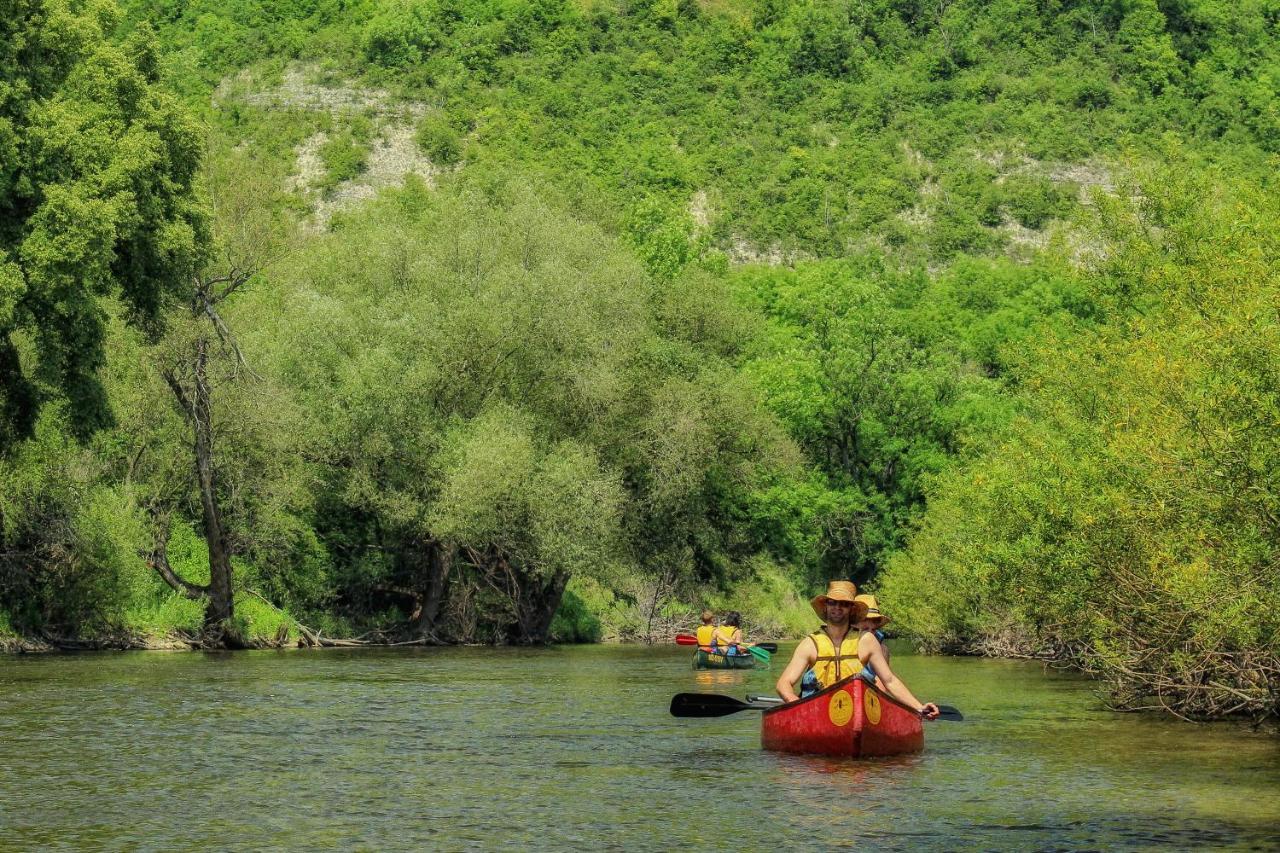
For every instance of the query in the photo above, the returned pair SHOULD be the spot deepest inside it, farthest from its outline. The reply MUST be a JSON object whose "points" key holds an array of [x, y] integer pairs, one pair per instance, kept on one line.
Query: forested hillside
{"points": [[515, 321]]}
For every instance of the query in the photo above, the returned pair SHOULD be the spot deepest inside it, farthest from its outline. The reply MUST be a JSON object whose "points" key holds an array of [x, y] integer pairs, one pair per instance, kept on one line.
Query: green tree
{"points": [[505, 400], [1128, 522], [97, 171], [227, 406]]}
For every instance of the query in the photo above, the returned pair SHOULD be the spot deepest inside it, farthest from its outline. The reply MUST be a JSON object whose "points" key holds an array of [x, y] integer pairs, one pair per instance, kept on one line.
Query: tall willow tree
{"points": [[200, 435], [97, 168], [502, 399], [204, 368]]}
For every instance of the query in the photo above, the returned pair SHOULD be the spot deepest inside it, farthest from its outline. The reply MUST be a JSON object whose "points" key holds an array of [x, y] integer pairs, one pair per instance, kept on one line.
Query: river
{"points": [[573, 748]]}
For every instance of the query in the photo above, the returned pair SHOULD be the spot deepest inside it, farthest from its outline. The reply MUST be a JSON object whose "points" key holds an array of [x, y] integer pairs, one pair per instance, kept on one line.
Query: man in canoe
{"points": [[838, 650]]}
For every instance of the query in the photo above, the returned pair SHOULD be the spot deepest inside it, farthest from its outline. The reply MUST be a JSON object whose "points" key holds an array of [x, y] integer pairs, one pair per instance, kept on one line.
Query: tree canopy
{"points": [[1128, 520], [97, 171], [491, 382]]}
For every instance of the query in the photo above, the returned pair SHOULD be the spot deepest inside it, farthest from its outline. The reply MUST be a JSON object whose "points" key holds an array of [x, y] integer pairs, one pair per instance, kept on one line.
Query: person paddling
{"points": [[828, 654], [833, 653]]}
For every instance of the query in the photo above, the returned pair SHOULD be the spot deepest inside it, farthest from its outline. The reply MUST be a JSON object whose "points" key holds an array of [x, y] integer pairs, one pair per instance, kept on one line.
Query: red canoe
{"points": [[850, 719]]}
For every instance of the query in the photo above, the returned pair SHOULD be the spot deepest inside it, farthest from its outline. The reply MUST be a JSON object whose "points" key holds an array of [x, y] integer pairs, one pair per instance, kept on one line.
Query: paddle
{"points": [[761, 654], [690, 640], [710, 705]]}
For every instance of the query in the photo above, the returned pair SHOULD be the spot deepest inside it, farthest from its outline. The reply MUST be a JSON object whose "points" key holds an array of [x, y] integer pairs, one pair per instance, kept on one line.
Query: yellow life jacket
{"points": [[723, 635], [704, 634], [832, 665]]}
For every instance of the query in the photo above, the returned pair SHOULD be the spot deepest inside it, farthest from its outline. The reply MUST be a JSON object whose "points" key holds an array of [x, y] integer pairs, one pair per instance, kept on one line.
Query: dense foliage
{"points": [[885, 378], [500, 400], [814, 127], [97, 163], [1129, 518]]}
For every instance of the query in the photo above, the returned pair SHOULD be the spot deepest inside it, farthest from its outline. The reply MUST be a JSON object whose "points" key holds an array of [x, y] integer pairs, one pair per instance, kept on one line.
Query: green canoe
{"points": [[713, 660]]}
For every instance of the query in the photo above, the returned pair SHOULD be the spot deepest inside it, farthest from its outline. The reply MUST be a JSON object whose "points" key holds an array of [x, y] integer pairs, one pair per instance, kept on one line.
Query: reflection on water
{"points": [[723, 680], [573, 748]]}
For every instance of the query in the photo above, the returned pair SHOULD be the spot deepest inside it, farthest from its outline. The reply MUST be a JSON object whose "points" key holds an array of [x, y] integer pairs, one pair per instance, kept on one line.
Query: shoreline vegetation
{"points": [[528, 321]]}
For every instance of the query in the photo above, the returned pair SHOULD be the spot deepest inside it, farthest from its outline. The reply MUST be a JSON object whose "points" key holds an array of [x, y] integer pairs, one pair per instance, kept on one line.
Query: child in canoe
{"points": [[706, 631]]}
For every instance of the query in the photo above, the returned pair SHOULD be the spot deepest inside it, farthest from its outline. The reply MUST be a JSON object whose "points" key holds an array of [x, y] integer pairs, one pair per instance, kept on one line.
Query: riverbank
{"points": [[14, 645]]}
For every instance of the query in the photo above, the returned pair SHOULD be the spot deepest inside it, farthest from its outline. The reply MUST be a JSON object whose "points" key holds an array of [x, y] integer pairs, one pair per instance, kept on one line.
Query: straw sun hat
{"points": [[865, 607], [836, 591]]}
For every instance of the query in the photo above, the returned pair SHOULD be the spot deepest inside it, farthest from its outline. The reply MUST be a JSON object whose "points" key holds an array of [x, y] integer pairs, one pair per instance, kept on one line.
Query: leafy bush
{"points": [[1034, 200], [574, 622], [344, 158], [439, 139], [400, 34], [256, 620]]}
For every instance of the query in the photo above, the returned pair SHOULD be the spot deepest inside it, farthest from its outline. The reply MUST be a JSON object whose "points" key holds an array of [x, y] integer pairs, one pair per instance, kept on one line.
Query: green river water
{"points": [[573, 749]]}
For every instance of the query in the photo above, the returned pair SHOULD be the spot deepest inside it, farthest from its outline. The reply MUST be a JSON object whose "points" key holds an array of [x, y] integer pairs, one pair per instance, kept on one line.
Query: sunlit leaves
{"points": [[490, 373], [1133, 509], [97, 197]]}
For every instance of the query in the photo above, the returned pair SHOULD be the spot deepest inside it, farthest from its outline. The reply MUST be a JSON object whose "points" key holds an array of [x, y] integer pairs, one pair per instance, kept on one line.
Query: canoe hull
{"points": [[849, 719], [712, 660]]}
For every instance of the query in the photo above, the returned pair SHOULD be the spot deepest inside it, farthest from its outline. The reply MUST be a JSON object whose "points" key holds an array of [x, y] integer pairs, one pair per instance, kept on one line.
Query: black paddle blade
{"points": [[771, 648], [950, 712], [708, 705]]}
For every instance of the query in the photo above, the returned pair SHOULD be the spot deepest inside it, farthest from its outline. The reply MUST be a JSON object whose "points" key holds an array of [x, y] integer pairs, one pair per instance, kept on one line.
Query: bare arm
{"points": [[870, 651], [879, 683], [805, 656]]}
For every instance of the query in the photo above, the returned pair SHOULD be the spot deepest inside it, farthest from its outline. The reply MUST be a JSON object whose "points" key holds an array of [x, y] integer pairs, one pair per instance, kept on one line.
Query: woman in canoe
{"points": [[728, 637], [874, 657]]}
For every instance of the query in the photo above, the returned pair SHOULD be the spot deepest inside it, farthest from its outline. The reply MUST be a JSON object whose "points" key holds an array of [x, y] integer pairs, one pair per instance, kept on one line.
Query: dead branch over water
{"points": [[1154, 671]]}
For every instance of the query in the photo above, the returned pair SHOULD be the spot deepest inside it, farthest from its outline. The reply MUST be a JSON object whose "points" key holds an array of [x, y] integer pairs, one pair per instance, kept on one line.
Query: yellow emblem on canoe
{"points": [[840, 709], [871, 704]]}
